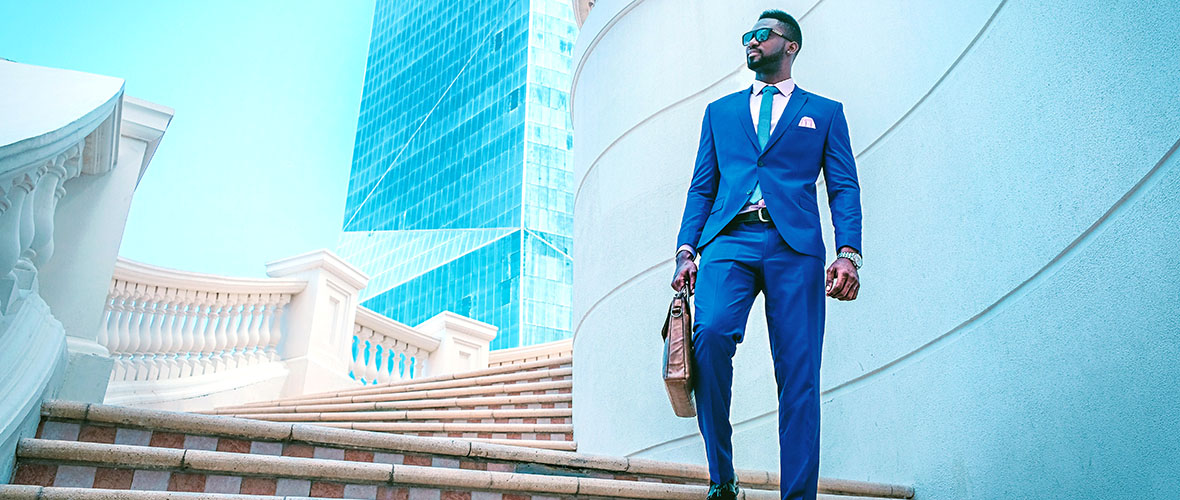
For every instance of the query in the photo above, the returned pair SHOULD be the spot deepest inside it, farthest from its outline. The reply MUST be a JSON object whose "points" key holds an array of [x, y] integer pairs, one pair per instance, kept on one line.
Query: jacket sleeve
{"points": [[702, 191], [839, 167]]}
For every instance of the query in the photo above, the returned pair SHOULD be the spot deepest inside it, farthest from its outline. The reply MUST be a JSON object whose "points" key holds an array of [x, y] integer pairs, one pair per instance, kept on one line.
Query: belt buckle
{"points": [[760, 212]]}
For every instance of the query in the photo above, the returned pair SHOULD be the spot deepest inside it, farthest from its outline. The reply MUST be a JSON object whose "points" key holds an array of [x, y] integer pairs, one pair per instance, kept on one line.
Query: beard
{"points": [[767, 61]]}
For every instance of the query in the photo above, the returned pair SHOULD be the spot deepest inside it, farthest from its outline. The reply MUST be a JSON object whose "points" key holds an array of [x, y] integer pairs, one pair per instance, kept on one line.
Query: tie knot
{"points": [[769, 89]]}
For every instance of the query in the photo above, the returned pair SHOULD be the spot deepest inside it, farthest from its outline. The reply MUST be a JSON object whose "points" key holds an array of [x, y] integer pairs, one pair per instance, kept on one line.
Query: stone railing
{"points": [[72, 150], [384, 350], [518, 355], [164, 324], [188, 341]]}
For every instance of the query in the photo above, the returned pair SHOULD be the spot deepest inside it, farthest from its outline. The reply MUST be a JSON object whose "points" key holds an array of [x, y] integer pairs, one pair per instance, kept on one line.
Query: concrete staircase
{"points": [[526, 404], [91, 451]]}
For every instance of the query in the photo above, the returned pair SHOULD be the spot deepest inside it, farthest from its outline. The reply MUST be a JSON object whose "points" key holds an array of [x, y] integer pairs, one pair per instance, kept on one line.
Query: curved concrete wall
{"points": [[1017, 329]]}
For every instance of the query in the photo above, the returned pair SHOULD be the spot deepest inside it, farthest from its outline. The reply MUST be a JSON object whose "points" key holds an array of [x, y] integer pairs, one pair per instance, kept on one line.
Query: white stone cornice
{"points": [[145, 121], [57, 109], [138, 272], [447, 320], [319, 259]]}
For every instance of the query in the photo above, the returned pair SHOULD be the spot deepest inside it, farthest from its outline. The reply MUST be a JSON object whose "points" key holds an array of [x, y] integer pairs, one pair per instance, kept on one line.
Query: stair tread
{"points": [[359, 473], [475, 401], [488, 380], [412, 415], [474, 374], [475, 448]]}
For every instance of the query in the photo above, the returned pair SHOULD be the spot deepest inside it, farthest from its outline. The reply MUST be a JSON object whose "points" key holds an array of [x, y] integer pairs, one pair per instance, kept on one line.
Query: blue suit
{"points": [[783, 260]]}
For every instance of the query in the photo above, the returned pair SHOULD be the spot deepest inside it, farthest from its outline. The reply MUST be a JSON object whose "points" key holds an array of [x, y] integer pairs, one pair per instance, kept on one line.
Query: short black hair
{"points": [[793, 32]]}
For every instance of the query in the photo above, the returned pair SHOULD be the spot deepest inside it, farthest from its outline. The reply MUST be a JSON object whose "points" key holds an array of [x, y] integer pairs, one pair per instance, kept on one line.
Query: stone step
{"points": [[556, 432], [521, 416], [22, 492], [82, 465], [457, 379], [561, 400], [86, 465], [517, 389], [545, 375], [119, 425]]}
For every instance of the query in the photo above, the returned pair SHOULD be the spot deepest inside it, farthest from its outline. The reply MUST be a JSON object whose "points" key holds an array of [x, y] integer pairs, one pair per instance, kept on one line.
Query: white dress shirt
{"points": [[779, 103]]}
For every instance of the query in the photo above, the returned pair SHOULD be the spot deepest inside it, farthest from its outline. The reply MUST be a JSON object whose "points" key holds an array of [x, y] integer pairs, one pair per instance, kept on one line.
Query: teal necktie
{"points": [[764, 114]]}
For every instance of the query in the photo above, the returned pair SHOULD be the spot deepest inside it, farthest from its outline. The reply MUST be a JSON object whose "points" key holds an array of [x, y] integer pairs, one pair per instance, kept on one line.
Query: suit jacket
{"points": [[729, 162]]}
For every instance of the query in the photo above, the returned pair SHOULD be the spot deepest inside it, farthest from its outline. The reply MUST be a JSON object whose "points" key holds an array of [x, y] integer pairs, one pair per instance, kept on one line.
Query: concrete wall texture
{"points": [[1018, 328]]}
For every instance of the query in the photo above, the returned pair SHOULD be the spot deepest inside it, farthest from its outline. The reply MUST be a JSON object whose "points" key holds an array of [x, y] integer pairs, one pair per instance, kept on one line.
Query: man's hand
{"points": [[843, 282], [686, 272]]}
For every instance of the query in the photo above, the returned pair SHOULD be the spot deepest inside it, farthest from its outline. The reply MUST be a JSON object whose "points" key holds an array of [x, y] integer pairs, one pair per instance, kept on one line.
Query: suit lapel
{"points": [[789, 118], [742, 113]]}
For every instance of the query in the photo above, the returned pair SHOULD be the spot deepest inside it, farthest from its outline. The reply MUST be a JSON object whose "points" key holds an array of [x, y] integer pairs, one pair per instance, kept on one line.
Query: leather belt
{"points": [[760, 215]]}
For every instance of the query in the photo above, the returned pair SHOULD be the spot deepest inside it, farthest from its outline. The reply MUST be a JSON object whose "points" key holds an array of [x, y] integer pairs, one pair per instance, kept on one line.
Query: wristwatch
{"points": [[852, 256]]}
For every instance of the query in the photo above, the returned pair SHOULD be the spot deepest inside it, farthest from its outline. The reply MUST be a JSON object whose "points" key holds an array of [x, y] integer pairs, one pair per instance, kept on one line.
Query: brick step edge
{"points": [[487, 380], [492, 450], [22, 492], [482, 390], [390, 415], [471, 402], [202, 462], [554, 363]]}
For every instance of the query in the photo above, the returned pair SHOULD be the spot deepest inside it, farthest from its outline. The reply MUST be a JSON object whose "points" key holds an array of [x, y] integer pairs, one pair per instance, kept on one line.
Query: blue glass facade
{"points": [[460, 197]]}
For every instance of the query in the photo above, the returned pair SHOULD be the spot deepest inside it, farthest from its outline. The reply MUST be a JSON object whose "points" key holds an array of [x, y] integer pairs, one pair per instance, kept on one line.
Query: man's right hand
{"points": [[686, 272]]}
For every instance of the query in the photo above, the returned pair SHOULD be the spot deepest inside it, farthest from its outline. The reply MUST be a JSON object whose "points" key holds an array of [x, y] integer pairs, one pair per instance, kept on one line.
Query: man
{"points": [[752, 216]]}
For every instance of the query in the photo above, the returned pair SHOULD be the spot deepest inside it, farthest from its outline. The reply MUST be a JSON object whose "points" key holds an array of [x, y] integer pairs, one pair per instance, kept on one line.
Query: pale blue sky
{"points": [[255, 164]]}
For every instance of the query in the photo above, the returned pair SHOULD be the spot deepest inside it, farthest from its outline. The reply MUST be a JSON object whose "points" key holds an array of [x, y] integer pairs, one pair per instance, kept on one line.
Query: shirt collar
{"points": [[784, 87]]}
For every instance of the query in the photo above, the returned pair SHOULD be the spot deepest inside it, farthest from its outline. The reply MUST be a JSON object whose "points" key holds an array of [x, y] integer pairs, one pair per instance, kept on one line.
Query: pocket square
{"points": [[807, 122]]}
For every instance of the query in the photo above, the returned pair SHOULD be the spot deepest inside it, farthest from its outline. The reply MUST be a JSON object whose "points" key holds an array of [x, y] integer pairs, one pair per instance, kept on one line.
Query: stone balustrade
{"points": [[72, 150], [384, 350], [188, 341], [163, 324]]}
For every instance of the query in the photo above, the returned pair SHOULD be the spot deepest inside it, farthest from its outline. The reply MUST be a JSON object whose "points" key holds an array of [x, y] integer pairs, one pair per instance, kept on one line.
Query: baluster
{"points": [[242, 332], [218, 318], [169, 335], [370, 357], [116, 340], [264, 350], [203, 341], [379, 362], [275, 325], [42, 246], [354, 367], [250, 329], [10, 246], [137, 327], [104, 330], [155, 334], [126, 347], [156, 315], [417, 363], [188, 313], [24, 264]]}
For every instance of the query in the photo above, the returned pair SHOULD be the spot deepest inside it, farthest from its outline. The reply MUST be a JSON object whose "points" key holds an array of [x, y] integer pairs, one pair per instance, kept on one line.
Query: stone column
{"points": [[463, 343], [318, 323], [88, 231]]}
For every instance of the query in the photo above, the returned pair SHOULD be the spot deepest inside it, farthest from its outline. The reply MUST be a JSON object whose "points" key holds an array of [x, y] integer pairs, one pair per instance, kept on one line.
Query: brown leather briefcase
{"points": [[678, 355]]}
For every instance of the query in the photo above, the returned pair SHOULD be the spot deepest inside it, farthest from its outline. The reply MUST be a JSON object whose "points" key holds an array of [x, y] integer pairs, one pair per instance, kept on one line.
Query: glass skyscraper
{"points": [[460, 197]]}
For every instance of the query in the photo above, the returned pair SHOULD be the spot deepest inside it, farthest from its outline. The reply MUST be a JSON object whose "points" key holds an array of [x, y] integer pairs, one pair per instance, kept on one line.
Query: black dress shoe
{"points": [[724, 491]]}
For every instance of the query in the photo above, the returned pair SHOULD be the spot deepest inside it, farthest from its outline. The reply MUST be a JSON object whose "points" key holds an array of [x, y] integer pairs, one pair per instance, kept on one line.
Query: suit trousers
{"points": [[743, 260]]}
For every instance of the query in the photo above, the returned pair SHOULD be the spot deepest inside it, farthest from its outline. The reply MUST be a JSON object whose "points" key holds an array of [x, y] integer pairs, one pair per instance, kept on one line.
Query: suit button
{"points": [[761, 163]]}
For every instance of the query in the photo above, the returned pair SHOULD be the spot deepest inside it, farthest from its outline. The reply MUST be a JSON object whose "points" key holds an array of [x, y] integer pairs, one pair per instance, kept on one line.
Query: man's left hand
{"points": [[843, 282]]}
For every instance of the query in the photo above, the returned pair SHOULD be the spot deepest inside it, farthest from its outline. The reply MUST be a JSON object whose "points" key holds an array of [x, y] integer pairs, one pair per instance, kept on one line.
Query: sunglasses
{"points": [[761, 34]]}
